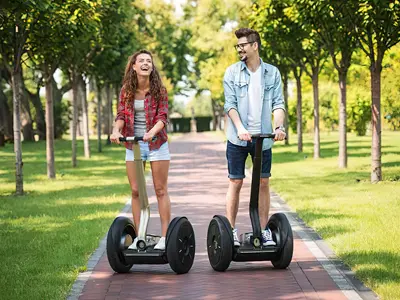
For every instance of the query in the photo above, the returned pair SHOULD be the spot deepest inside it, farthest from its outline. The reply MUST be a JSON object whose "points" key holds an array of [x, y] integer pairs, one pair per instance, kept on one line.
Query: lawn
{"points": [[48, 235], [359, 220]]}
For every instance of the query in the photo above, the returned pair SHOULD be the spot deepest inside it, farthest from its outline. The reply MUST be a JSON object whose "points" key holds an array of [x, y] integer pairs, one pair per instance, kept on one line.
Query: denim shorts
{"points": [[237, 155], [150, 155]]}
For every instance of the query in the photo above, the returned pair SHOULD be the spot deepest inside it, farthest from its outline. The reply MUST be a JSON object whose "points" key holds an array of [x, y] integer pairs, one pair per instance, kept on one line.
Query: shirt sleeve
{"points": [[278, 101], [229, 92], [121, 113], [162, 111]]}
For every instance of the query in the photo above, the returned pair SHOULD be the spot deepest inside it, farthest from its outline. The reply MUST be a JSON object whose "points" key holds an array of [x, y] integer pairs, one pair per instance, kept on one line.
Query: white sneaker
{"points": [[133, 245], [267, 238], [236, 242], [160, 245]]}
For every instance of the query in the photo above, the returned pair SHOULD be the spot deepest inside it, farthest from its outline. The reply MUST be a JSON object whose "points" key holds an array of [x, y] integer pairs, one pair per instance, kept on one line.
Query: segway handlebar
{"points": [[264, 136], [130, 138], [134, 138]]}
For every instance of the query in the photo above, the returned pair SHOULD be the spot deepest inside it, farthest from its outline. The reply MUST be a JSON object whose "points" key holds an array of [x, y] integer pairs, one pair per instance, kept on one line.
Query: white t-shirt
{"points": [[255, 103], [140, 118]]}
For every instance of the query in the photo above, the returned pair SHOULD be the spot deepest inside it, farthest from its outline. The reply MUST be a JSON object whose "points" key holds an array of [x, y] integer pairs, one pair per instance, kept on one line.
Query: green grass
{"points": [[48, 235], [359, 220]]}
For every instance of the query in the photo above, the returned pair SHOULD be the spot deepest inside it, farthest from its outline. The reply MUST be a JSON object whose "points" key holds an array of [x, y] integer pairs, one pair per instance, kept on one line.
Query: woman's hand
{"points": [[148, 136], [115, 137]]}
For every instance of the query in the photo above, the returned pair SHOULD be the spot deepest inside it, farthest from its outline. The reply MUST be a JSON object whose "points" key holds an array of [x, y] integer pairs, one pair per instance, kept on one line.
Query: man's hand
{"points": [[244, 135], [280, 135], [148, 136]]}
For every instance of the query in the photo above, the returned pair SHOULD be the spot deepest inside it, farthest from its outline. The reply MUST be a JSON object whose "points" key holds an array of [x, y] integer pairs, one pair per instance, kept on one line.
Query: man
{"points": [[253, 93]]}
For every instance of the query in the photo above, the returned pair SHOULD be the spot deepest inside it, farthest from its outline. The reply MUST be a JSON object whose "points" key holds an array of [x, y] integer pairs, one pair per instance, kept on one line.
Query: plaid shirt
{"points": [[155, 111]]}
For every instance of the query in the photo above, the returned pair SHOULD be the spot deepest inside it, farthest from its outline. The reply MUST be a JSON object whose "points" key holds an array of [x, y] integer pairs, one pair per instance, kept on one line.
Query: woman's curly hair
{"points": [[130, 82]]}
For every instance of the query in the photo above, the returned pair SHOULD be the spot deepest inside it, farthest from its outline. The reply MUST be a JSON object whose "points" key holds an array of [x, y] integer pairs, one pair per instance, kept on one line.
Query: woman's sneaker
{"points": [[133, 245], [267, 238], [236, 242], [160, 245]]}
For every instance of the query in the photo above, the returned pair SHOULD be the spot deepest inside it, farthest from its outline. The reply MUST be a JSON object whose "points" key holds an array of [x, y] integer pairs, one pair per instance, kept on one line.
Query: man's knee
{"points": [[264, 182], [236, 184]]}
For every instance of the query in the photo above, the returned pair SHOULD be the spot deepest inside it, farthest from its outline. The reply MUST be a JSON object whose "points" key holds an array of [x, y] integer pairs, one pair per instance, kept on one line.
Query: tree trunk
{"points": [[6, 119], [315, 71], [85, 118], [58, 113], [51, 172], [109, 113], [220, 116], [376, 165], [286, 98], [117, 97], [40, 118], [99, 95], [214, 114], [17, 96], [75, 91], [342, 121], [299, 114], [25, 109]]}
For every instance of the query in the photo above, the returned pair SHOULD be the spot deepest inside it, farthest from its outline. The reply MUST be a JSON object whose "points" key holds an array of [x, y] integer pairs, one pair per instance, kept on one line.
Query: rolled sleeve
{"points": [[278, 101], [121, 107], [229, 92], [162, 111]]}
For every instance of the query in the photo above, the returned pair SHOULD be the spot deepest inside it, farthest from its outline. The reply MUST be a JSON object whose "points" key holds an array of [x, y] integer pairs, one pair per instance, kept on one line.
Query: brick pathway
{"points": [[197, 186]]}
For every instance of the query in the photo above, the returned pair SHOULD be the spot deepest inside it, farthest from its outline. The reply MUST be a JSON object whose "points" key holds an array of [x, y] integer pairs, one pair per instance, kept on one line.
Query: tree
{"points": [[211, 23], [81, 45], [19, 19], [282, 37], [46, 51], [333, 25], [377, 24]]}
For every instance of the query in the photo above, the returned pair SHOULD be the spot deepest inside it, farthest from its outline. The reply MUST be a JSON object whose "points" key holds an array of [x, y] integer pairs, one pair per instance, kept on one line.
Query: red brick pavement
{"points": [[197, 186]]}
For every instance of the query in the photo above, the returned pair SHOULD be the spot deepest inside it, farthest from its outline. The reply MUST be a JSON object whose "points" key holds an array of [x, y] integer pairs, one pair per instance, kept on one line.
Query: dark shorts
{"points": [[237, 155]]}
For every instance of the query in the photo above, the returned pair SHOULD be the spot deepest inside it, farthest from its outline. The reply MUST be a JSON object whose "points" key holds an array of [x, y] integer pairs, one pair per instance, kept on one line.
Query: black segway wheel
{"points": [[120, 235], [181, 245], [282, 231], [219, 243]]}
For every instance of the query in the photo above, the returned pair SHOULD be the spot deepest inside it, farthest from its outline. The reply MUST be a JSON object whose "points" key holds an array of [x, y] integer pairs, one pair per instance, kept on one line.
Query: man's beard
{"points": [[243, 57]]}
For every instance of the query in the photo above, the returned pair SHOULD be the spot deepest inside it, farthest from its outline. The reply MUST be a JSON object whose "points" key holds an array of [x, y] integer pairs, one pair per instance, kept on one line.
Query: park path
{"points": [[197, 186]]}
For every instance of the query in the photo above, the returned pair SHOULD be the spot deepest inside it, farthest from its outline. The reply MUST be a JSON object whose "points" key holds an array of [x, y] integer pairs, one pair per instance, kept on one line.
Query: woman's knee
{"points": [[161, 191], [135, 193]]}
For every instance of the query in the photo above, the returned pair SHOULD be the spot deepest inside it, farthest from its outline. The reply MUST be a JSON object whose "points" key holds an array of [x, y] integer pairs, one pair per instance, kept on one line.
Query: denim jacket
{"points": [[236, 83]]}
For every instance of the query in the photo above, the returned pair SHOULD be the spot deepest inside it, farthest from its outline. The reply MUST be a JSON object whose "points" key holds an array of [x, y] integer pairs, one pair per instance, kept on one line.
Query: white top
{"points": [[255, 103], [140, 118]]}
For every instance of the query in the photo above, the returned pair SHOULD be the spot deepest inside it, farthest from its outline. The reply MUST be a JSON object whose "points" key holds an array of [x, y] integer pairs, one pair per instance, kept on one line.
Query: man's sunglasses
{"points": [[241, 46]]}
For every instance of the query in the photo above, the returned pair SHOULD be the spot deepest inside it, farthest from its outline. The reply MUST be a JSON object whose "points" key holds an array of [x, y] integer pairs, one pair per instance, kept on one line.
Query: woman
{"points": [[142, 111]]}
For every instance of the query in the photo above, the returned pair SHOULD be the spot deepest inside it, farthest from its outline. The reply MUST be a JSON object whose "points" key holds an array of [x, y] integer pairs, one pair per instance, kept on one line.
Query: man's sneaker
{"points": [[133, 245], [236, 242], [267, 238], [160, 245]]}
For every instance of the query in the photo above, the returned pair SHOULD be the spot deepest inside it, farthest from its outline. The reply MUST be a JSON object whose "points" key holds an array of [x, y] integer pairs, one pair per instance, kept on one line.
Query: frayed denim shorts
{"points": [[237, 155], [161, 153]]}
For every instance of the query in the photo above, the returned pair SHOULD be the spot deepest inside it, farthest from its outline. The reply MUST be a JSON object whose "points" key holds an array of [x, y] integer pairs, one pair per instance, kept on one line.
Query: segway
{"points": [[180, 240], [220, 246]]}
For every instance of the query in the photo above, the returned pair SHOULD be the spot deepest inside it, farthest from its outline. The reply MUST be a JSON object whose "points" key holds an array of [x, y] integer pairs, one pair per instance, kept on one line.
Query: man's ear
{"points": [[256, 46]]}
